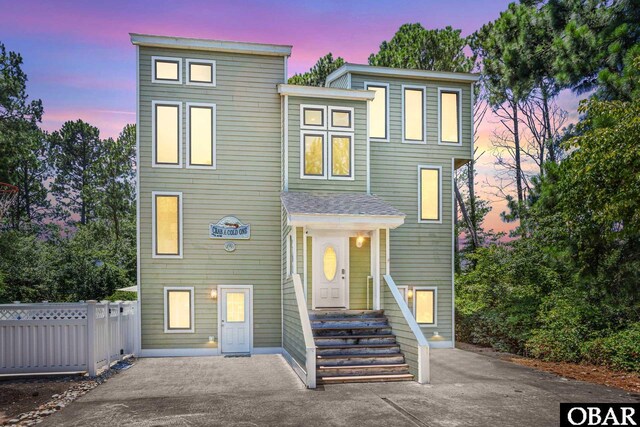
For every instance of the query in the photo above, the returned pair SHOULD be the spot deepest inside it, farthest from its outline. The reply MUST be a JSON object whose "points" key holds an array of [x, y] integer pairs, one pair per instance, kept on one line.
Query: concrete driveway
{"points": [[467, 390]]}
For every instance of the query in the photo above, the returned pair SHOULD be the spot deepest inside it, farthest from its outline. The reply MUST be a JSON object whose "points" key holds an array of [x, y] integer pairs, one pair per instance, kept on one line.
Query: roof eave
{"points": [[209, 45], [401, 72], [325, 92], [345, 222]]}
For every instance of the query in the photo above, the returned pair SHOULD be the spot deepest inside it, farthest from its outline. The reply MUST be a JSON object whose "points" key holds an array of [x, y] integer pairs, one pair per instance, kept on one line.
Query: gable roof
{"points": [[371, 70], [210, 45]]}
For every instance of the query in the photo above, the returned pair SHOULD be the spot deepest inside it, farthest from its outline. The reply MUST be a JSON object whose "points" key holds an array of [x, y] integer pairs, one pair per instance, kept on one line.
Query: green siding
{"points": [[293, 339], [420, 253], [359, 184], [248, 139], [341, 82]]}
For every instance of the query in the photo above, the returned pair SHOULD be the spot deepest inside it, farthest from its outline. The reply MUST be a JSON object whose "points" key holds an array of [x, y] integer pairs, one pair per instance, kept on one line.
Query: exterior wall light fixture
{"points": [[214, 294]]}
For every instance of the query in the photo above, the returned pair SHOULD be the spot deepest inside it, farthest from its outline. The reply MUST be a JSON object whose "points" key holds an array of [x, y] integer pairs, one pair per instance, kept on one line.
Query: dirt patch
{"points": [[581, 372], [19, 396]]}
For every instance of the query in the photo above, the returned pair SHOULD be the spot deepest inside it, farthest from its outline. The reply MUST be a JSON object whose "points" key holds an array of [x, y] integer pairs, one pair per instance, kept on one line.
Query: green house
{"points": [[312, 222]]}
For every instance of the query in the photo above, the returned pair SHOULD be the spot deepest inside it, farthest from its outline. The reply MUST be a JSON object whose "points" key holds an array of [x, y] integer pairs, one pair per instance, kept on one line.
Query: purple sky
{"points": [[80, 62]]}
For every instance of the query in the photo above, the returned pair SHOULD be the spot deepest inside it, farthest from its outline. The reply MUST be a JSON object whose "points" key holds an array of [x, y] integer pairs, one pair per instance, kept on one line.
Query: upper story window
{"points": [[429, 194], [166, 70], [379, 111], [328, 150], [449, 116], [167, 224], [201, 72], [201, 135], [425, 305], [167, 133], [413, 107]]}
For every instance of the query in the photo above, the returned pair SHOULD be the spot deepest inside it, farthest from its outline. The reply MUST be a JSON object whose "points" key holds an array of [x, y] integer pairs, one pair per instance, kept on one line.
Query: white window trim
{"points": [[338, 128], [188, 81], [313, 107], [366, 87], [329, 151], [430, 221], [424, 114], [406, 293], [214, 112], [459, 92], [324, 156], [166, 310], [291, 248], [153, 224], [166, 58], [153, 134], [435, 304]]}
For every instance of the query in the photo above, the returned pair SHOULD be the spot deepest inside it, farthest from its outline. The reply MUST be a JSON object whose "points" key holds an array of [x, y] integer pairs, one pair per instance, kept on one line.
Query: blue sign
{"points": [[229, 228]]}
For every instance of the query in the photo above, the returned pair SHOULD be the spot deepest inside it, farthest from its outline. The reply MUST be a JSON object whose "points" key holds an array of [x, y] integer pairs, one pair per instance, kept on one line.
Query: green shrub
{"points": [[620, 350]]}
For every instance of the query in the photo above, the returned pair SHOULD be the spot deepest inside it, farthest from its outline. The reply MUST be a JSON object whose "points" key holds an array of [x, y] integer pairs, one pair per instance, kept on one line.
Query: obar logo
{"points": [[599, 414]]}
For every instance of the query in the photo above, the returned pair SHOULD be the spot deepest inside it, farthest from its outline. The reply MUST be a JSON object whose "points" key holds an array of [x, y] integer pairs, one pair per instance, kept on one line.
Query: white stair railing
{"points": [[309, 342]]}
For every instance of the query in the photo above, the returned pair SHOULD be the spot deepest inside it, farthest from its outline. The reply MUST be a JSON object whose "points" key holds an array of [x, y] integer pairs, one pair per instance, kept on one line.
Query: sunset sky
{"points": [[80, 62]]}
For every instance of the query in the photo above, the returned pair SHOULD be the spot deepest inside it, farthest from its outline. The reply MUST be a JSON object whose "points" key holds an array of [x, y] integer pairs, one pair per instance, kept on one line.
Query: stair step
{"points": [[365, 378], [361, 337], [350, 328], [322, 314], [349, 323], [354, 339], [359, 370], [348, 350], [359, 359]]}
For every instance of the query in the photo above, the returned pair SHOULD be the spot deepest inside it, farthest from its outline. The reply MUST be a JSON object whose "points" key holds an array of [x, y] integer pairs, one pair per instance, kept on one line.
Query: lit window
{"points": [[341, 119], [167, 220], [178, 309], [341, 156], [330, 263], [425, 306], [235, 306], [201, 72], [378, 112], [429, 194], [201, 133], [449, 117], [413, 113], [166, 126], [166, 70], [313, 154], [313, 117]]}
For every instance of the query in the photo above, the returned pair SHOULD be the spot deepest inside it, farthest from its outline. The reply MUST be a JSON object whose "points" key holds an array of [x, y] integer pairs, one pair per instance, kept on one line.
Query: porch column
{"points": [[375, 267]]}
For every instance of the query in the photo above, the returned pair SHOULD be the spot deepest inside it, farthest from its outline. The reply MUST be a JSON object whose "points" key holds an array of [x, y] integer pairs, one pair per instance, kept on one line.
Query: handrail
{"points": [[309, 342], [424, 371]]}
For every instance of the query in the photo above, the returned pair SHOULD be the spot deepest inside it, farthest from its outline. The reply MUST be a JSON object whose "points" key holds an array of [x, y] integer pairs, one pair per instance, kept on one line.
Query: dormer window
{"points": [[166, 70]]}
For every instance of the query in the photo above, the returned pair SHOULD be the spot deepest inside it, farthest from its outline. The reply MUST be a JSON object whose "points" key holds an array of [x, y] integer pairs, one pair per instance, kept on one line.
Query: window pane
{"points": [[341, 119], [235, 306], [313, 117], [330, 263], [200, 73], [201, 136], [430, 198], [167, 220], [179, 309], [378, 113], [424, 306], [449, 116], [166, 70], [313, 155], [413, 114], [341, 156], [167, 134]]}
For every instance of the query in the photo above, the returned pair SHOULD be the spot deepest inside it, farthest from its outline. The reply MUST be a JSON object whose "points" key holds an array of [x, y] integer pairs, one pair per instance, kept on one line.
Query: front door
{"points": [[235, 320], [330, 271]]}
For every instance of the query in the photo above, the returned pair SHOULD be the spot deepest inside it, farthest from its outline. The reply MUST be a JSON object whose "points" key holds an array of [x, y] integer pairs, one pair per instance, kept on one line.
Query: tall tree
{"points": [[116, 174], [413, 46], [317, 75], [76, 152]]}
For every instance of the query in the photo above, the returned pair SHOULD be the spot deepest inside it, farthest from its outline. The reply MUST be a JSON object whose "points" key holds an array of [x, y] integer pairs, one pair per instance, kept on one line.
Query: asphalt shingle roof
{"points": [[337, 204]]}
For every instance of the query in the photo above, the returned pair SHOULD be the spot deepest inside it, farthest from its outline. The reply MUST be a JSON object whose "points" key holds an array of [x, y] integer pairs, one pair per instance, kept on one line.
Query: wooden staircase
{"points": [[356, 346]]}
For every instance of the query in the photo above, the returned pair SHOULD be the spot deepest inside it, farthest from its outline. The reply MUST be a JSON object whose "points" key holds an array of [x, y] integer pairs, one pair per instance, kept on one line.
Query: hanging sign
{"points": [[229, 228]]}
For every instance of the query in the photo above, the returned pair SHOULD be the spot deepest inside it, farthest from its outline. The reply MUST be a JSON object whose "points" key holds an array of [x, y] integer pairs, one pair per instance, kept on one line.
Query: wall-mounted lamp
{"points": [[410, 293], [436, 335], [359, 241], [214, 294]]}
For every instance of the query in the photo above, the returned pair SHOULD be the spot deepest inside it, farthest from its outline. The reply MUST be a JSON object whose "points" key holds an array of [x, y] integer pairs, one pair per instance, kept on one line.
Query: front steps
{"points": [[356, 346]]}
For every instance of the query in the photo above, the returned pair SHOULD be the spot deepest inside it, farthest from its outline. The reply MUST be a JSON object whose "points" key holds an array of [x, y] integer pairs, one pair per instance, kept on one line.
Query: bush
{"points": [[620, 350]]}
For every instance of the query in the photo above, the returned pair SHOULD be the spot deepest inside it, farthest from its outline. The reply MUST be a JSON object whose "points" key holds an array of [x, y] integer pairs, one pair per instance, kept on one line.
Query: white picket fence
{"points": [[67, 337]]}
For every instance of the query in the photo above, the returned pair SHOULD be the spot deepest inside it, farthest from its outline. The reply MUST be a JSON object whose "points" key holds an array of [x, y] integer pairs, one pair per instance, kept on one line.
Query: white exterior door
{"points": [[235, 320], [330, 271]]}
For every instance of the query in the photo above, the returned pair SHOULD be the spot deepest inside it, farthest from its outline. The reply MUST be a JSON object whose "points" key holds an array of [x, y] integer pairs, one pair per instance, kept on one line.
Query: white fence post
{"points": [[92, 369]]}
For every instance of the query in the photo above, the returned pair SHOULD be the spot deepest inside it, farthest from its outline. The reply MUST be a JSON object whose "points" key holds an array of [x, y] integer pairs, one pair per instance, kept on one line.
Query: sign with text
{"points": [[599, 414], [229, 228]]}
